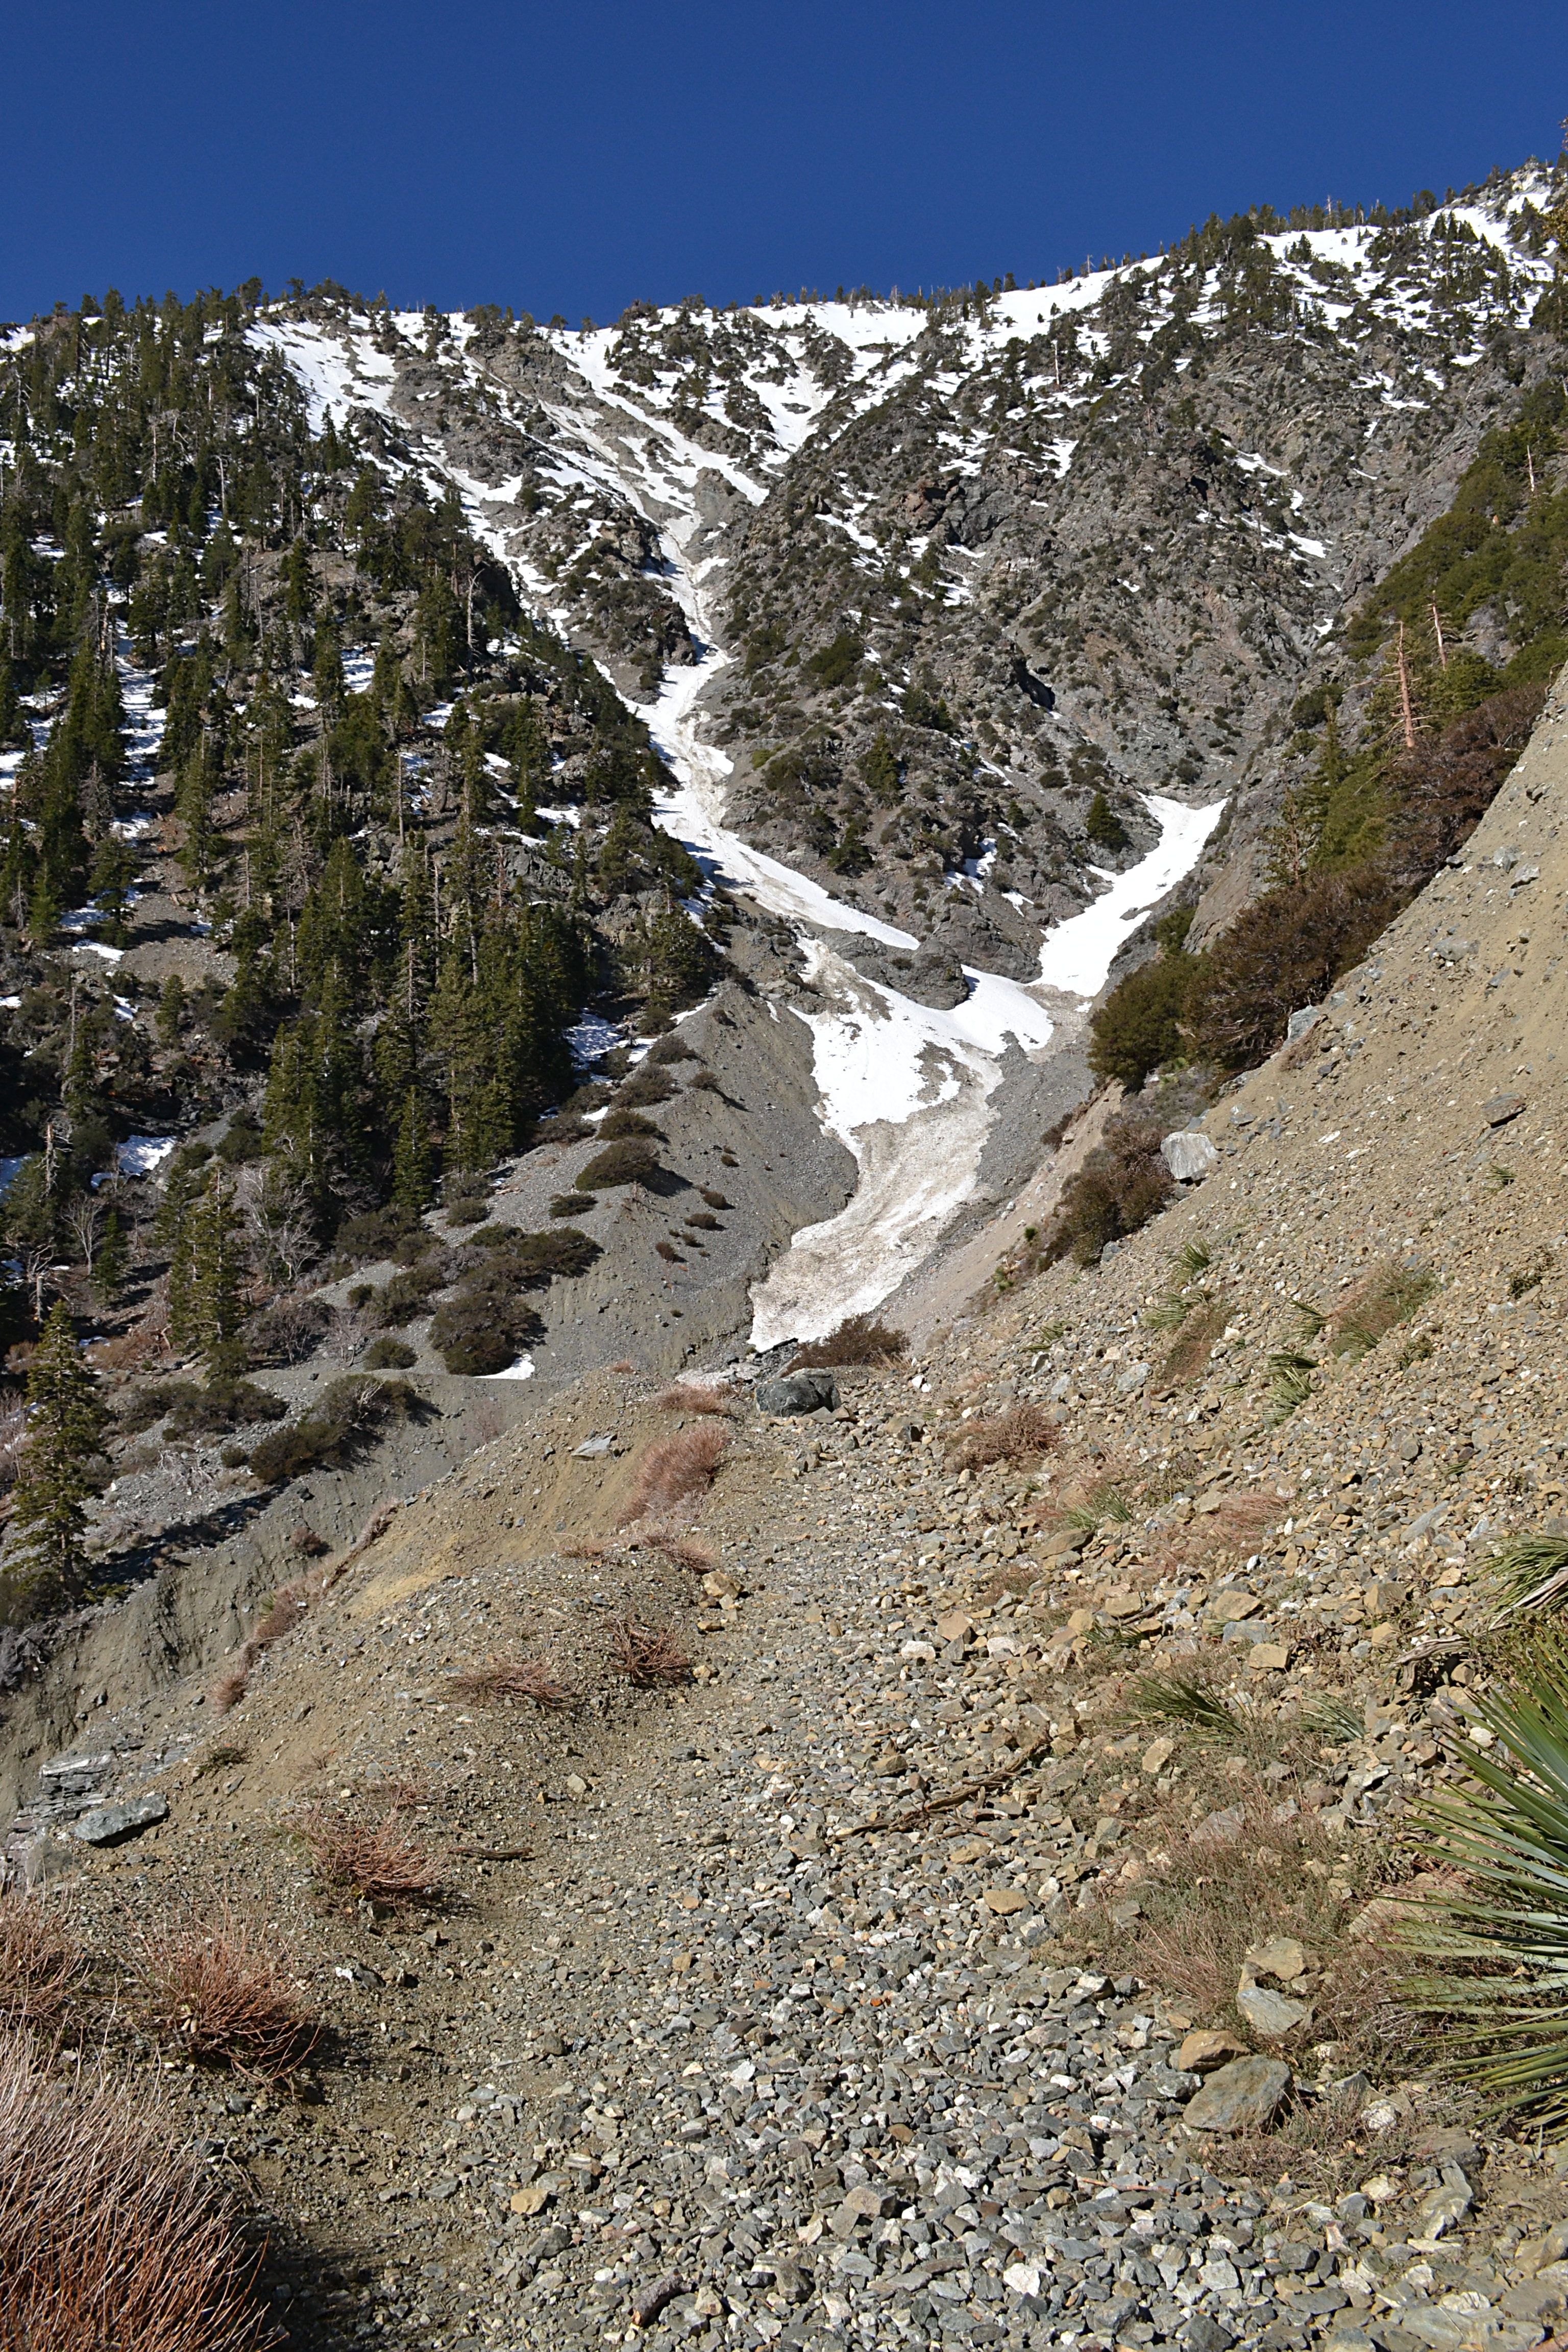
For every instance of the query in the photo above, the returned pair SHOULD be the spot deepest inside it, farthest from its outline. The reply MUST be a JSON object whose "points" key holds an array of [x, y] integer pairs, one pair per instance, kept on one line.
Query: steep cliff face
{"points": [[960, 585]]}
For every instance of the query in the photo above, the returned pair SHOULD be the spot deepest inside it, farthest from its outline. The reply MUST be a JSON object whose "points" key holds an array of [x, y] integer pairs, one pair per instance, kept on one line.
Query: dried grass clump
{"points": [[41, 1964], [378, 1859], [228, 1690], [1390, 1294], [217, 1994], [286, 1610], [674, 1469], [502, 1680], [110, 2233], [1016, 1434], [684, 1552], [859, 1340], [687, 1397], [647, 1656], [1217, 1883]]}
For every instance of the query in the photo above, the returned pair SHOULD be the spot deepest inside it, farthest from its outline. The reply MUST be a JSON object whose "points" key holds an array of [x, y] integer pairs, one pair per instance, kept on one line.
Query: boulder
{"points": [[110, 1823], [798, 1393], [1188, 1154], [1205, 2048], [1243, 2096], [1300, 1022]]}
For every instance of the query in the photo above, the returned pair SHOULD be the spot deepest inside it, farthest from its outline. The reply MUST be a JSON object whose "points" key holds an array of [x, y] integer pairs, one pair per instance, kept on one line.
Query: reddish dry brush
{"points": [[675, 1469], [41, 1964], [111, 2231], [228, 1690], [378, 1859], [686, 1396], [502, 1680], [1019, 1434], [649, 1657], [286, 1610], [683, 1551], [859, 1340], [217, 1994]]}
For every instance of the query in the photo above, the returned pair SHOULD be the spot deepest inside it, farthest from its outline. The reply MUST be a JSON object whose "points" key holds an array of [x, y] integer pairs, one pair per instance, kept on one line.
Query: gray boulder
{"points": [[798, 1393], [1243, 2096], [1188, 1154], [112, 1822]]}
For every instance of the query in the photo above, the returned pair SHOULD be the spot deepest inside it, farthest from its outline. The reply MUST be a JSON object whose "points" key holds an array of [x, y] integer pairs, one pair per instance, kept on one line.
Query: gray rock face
{"points": [[1188, 1154], [797, 1392], [1300, 1022], [1243, 2096], [112, 1822]]}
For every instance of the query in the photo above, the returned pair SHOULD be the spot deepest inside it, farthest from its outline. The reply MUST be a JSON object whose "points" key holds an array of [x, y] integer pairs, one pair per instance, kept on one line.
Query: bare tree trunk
{"points": [[1405, 711]]}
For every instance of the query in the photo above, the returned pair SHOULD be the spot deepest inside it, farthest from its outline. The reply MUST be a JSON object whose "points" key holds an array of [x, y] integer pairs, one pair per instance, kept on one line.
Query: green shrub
{"points": [[643, 1088], [631, 1162], [483, 1326], [1103, 826], [408, 1295], [672, 1049], [222, 1405], [375, 1235], [349, 1415], [389, 1356], [617, 1123], [1138, 1028], [573, 1204]]}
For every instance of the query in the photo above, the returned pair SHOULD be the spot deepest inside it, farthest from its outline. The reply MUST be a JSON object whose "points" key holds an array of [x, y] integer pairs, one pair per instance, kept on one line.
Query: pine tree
{"points": [[1103, 826], [66, 1424]]}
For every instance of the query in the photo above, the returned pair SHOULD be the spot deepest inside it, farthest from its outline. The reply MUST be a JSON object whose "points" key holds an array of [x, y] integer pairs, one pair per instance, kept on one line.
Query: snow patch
{"points": [[1075, 956]]}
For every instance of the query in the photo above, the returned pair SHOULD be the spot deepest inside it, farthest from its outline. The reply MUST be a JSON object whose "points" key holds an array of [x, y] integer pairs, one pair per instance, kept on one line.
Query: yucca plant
{"points": [[1528, 1574], [1193, 1258], [1191, 1703], [1289, 1381], [1502, 1943], [1334, 1721]]}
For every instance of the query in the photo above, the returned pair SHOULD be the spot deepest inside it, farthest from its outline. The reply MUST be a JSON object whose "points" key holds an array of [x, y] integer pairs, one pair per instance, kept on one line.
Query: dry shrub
{"points": [[41, 1964], [306, 1542], [228, 1690], [13, 1429], [286, 1610], [376, 1859], [624, 1364], [1016, 1434], [646, 1655], [1192, 1348], [128, 1350], [674, 1469], [110, 2233], [217, 1994], [1213, 1892], [685, 1552], [500, 1680], [687, 1397], [859, 1340], [1238, 1522]]}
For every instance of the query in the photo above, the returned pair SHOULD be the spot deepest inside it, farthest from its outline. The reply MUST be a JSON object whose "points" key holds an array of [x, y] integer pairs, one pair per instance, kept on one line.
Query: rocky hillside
{"points": [[938, 1878]]}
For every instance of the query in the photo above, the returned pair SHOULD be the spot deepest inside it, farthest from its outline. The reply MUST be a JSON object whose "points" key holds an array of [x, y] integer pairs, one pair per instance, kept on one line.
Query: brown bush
{"points": [[306, 1542], [1016, 1434], [685, 1553], [111, 2233], [1441, 790], [503, 1679], [674, 1469], [287, 1610], [41, 1964], [217, 1993], [631, 1162], [687, 1397], [1122, 1184], [646, 1655], [1283, 951], [228, 1690], [378, 1859], [859, 1340]]}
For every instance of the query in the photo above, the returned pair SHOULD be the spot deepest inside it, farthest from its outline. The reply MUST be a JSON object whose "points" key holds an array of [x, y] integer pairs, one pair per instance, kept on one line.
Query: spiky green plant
{"points": [[1289, 1381], [1193, 1258], [1189, 1702], [1312, 1317], [1502, 1943], [1101, 1503], [1530, 1573], [1334, 1720]]}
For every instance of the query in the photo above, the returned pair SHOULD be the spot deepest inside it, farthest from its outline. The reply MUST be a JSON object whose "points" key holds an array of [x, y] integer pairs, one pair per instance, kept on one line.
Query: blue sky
{"points": [[570, 159]]}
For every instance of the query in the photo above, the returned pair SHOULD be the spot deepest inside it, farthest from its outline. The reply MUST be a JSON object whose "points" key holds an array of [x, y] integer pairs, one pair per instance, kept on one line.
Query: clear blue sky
{"points": [[572, 158]]}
